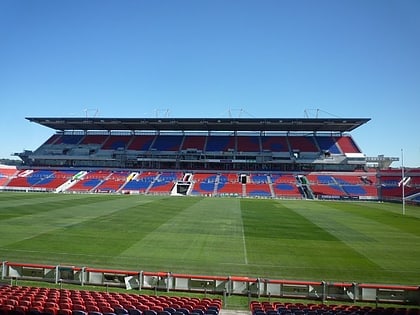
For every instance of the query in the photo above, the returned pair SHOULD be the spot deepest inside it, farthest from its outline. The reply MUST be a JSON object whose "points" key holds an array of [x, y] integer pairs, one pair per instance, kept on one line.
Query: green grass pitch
{"points": [[364, 242]]}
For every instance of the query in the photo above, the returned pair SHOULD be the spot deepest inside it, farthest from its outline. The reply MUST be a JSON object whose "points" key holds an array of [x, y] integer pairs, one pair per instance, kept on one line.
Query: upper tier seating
{"points": [[220, 143], [302, 144], [347, 144], [328, 144], [53, 139], [69, 139], [248, 144], [194, 142], [94, 139], [167, 143], [141, 142], [274, 143], [116, 142], [282, 146]]}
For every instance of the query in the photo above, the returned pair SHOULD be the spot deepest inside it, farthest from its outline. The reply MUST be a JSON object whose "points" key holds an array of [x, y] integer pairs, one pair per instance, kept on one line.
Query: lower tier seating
{"points": [[370, 185], [203, 184], [41, 179], [296, 308], [6, 173], [343, 185], [23, 300]]}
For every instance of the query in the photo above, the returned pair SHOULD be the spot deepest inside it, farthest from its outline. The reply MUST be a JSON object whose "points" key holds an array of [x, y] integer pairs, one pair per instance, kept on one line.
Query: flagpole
{"points": [[402, 181]]}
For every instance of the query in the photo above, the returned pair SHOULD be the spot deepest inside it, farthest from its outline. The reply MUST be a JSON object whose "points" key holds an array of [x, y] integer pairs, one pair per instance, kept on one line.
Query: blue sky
{"points": [[199, 58]]}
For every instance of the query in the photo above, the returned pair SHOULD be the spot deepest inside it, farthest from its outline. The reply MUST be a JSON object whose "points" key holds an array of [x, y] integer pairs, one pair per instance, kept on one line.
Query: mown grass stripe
{"points": [[205, 234], [83, 228], [382, 244], [332, 241], [29, 204], [293, 242], [385, 214]]}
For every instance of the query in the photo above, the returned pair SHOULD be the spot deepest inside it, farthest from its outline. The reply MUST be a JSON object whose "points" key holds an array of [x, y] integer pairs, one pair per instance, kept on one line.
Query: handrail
{"points": [[239, 285]]}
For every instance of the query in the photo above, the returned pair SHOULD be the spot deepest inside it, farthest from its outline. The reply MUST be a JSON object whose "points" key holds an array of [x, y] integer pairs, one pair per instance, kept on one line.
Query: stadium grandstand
{"points": [[303, 158]]}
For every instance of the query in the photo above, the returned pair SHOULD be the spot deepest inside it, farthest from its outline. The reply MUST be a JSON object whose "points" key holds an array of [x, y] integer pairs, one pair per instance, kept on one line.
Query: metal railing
{"points": [[226, 285]]}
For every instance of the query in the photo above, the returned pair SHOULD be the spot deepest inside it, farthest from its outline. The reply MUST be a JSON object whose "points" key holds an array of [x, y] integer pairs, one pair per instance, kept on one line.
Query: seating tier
{"points": [[18, 300], [299, 308], [141, 182], [203, 184], [6, 173]]}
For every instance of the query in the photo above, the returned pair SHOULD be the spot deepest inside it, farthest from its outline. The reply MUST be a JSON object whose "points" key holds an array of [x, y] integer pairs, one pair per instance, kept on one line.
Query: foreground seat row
{"points": [[281, 308], [19, 300]]}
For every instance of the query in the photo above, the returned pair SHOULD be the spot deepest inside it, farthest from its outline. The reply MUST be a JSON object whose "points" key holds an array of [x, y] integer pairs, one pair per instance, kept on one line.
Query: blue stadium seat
{"points": [[120, 311], [328, 144]]}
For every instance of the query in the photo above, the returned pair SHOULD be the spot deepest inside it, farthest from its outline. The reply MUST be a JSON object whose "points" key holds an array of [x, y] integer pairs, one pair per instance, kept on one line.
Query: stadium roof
{"points": [[202, 124]]}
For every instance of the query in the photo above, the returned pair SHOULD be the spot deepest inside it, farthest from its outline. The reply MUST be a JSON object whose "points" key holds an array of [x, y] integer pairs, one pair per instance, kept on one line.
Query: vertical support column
{"points": [[354, 287], [258, 287], [82, 276], [57, 274], [3, 269], [324, 291], [140, 280], [168, 278]]}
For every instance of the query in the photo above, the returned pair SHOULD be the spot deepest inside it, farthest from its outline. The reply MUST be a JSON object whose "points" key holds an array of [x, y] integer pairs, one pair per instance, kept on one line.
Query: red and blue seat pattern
{"points": [[297, 308], [203, 184], [24, 300]]}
